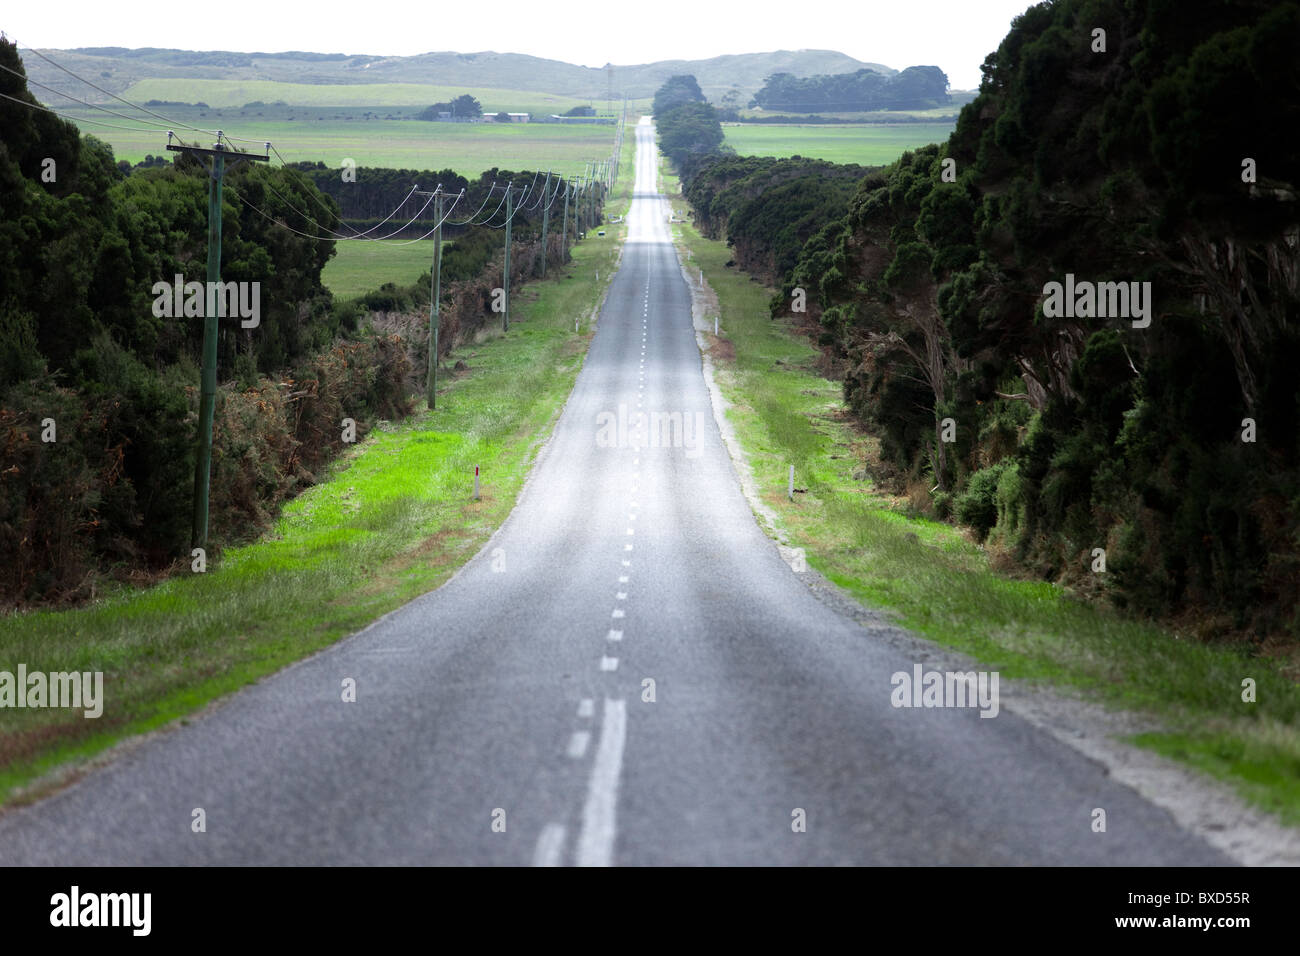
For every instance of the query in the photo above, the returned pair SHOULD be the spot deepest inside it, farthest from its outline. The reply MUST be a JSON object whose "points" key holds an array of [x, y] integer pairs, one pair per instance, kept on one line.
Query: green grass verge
{"points": [[941, 585], [361, 267], [866, 145], [393, 519]]}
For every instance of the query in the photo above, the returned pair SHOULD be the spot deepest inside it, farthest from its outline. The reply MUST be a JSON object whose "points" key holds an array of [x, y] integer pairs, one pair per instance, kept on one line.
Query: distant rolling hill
{"points": [[118, 68]]}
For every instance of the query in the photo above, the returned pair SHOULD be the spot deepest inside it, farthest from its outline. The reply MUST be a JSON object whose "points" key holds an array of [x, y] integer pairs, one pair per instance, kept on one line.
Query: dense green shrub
{"points": [[977, 505]]}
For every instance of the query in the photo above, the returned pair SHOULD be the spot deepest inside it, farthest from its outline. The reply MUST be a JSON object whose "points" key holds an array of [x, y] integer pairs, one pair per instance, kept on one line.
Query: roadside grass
{"points": [[867, 145], [392, 520], [940, 584], [360, 267]]}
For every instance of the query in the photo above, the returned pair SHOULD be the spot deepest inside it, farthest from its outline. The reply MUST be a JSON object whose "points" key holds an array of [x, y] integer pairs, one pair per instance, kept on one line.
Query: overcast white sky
{"points": [[954, 35]]}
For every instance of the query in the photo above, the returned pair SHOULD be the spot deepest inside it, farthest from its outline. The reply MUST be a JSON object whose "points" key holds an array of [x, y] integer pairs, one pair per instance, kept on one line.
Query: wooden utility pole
{"points": [[546, 219], [208, 374], [578, 195], [564, 233], [505, 299], [435, 295]]}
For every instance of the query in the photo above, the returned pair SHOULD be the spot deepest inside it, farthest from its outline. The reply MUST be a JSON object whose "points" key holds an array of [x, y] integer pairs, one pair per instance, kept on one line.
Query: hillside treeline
{"points": [[916, 88], [1164, 430], [99, 394]]}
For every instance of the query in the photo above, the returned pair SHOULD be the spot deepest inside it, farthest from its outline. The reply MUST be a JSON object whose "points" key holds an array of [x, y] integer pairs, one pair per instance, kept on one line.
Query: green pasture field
{"points": [[360, 267], [468, 148], [223, 93], [873, 145]]}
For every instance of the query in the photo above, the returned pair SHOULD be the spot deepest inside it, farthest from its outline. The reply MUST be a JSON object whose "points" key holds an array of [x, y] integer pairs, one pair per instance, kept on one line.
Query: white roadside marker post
{"points": [[476, 497], [790, 488]]}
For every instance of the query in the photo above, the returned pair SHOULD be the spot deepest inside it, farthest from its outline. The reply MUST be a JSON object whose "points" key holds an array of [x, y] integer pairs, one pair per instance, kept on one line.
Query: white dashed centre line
{"points": [[578, 744]]}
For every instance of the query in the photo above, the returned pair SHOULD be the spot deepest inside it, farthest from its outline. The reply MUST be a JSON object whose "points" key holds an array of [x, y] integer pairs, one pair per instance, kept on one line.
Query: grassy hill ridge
{"points": [[117, 68]]}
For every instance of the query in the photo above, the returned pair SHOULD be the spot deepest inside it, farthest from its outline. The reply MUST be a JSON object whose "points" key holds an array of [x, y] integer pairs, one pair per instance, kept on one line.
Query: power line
{"points": [[169, 121], [512, 210], [486, 200], [551, 200], [76, 76], [338, 236], [77, 120], [501, 202], [436, 226], [554, 194], [315, 198], [93, 106], [525, 193], [306, 235], [474, 220], [314, 190], [270, 218], [531, 186]]}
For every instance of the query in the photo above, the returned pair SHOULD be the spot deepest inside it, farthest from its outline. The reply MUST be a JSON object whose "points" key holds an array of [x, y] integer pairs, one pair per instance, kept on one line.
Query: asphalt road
{"points": [[504, 719]]}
